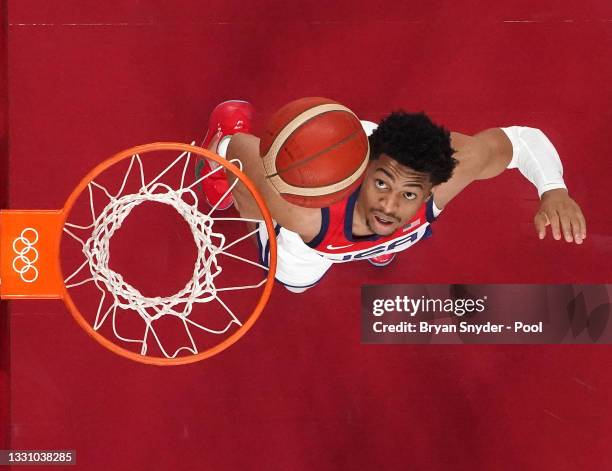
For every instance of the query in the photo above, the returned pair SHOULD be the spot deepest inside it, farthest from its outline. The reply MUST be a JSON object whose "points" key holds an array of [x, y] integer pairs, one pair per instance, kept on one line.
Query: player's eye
{"points": [[380, 184], [410, 196]]}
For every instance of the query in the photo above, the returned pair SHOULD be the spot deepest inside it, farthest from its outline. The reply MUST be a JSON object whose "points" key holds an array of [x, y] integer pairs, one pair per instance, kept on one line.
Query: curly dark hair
{"points": [[414, 140]]}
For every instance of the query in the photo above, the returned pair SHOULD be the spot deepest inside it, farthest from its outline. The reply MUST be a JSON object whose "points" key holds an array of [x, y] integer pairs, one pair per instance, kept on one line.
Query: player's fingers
{"points": [[541, 221], [566, 227], [555, 225], [582, 223], [576, 224]]}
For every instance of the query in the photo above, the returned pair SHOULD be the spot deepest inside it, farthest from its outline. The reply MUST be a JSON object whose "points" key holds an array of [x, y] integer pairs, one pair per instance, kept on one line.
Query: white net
{"points": [[200, 288]]}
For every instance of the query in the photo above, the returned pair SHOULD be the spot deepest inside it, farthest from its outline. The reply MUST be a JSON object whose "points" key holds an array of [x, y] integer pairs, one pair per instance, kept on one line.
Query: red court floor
{"points": [[85, 79]]}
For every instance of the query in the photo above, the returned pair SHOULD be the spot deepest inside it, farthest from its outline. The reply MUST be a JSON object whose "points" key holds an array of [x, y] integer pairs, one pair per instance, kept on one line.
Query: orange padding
{"points": [[29, 254]]}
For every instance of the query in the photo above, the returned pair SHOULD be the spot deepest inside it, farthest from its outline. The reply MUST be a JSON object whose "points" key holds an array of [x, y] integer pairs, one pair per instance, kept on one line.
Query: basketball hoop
{"points": [[30, 266]]}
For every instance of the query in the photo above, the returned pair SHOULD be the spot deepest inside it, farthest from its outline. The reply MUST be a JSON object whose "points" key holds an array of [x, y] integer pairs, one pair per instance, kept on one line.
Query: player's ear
{"points": [[432, 190]]}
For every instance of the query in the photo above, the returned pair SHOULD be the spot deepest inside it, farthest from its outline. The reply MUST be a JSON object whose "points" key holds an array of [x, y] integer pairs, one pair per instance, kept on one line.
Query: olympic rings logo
{"points": [[27, 255]]}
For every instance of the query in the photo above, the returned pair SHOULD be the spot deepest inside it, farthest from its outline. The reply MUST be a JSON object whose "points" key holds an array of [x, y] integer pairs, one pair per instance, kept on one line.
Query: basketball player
{"points": [[416, 168]]}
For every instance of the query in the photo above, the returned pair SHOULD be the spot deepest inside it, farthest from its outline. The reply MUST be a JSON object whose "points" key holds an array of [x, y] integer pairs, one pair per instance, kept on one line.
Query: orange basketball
{"points": [[314, 152]]}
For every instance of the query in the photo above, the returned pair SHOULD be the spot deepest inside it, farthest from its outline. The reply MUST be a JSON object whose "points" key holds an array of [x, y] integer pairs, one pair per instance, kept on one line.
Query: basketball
{"points": [[314, 152]]}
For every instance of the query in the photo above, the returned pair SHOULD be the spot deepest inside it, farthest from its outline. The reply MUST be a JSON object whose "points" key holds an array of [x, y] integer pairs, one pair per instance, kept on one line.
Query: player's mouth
{"points": [[384, 222]]}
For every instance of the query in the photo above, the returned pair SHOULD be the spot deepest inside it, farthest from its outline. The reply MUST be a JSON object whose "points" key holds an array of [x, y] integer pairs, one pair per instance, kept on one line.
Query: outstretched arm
{"points": [[304, 221], [490, 152]]}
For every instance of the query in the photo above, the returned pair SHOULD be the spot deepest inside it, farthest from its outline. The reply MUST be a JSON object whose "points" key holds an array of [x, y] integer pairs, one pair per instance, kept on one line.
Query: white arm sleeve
{"points": [[536, 158]]}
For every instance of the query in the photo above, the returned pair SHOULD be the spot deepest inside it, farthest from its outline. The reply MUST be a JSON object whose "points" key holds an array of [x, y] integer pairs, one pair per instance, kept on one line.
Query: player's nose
{"points": [[389, 203]]}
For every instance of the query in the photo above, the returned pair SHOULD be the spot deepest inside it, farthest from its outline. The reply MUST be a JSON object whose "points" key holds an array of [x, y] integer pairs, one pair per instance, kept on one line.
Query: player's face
{"points": [[391, 194]]}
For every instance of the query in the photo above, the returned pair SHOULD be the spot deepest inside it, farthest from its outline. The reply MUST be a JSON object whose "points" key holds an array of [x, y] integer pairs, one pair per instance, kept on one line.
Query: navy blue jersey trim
{"points": [[266, 252], [264, 255], [260, 247], [293, 286], [324, 226]]}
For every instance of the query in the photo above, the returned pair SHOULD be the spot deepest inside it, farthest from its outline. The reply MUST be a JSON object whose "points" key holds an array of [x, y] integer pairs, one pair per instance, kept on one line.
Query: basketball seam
{"points": [[301, 124], [274, 148], [318, 154], [284, 188], [270, 164]]}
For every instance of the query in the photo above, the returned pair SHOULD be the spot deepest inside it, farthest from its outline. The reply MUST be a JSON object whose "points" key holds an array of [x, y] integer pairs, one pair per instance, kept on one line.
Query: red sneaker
{"points": [[227, 119], [382, 260]]}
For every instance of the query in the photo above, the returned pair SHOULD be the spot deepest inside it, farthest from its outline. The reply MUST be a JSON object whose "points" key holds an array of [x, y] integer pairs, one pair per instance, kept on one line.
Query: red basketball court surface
{"points": [[83, 80]]}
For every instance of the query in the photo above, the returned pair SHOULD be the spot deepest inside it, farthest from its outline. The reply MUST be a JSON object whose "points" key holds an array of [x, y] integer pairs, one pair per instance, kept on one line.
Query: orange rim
{"points": [[265, 295]]}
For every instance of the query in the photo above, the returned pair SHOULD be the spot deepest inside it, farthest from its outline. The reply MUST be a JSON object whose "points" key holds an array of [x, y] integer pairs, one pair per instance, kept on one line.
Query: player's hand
{"points": [[562, 214]]}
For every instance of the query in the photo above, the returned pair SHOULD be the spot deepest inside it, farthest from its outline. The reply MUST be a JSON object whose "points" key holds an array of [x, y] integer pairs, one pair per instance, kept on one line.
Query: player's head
{"points": [[409, 155]]}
